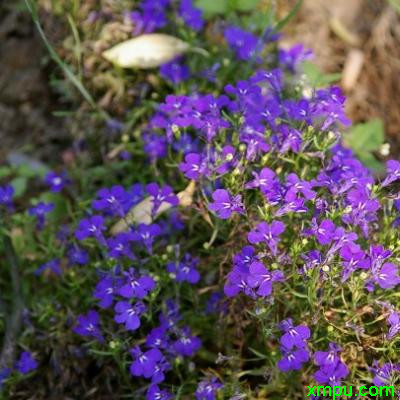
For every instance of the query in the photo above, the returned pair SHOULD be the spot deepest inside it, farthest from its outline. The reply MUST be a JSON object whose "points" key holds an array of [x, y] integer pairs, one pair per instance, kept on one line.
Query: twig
{"points": [[15, 317]]}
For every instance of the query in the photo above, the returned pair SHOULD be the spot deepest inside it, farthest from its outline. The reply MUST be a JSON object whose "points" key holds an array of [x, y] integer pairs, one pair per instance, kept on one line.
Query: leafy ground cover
{"points": [[208, 234]]}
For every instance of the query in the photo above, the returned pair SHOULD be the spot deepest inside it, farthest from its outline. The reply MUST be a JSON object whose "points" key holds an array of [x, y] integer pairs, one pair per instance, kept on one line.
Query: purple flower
{"points": [[226, 160], [151, 17], [292, 205], [293, 360], [313, 259], [394, 325], [171, 317], [91, 227], [383, 374], [162, 366], [4, 374], [56, 181], [40, 211], [119, 246], [393, 172], [378, 255], [175, 71], [52, 265], [194, 166], [6, 196], [273, 78], [253, 135], [161, 195], [289, 139], [158, 337], [185, 270], [362, 210], [243, 43], [328, 358], [245, 258], [77, 255], [155, 146], [155, 393], [26, 363], [192, 16], [144, 364], [293, 56], [145, 234], [329, 105], [185, 144], [136, 285], [135, 195], [88, 325], [129, 314], [186, 344], [295, 185], [261, 278], [294, 336], [224, 204], [207, 389], [262, 180], [324, 232], [105, 291], [237, 278], [332, 374], [211, 73], [352, 259], [269, 234], [236, 283], [111, 201], [386, 276]]}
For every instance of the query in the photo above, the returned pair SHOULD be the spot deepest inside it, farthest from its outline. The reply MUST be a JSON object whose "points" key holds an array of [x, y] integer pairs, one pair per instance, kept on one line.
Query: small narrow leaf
{"points": [[280, 24]]}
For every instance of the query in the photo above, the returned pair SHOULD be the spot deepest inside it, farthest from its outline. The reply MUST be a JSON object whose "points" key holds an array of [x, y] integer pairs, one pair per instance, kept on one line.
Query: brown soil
{"points": [[26, 102], [335, 30]]}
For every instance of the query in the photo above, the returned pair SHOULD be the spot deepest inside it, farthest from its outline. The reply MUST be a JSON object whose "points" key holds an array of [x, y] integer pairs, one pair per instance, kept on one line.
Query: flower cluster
{"points": [[282, 223], [331, 368], [294, 346], [128, 287]]}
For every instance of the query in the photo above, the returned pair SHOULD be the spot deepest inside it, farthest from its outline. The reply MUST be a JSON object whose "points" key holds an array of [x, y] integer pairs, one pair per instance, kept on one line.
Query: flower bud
{"points": [[146, 51]]}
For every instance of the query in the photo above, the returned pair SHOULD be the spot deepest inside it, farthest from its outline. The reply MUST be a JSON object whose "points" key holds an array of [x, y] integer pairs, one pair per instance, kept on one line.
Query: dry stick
{"points": [[14, 320]]}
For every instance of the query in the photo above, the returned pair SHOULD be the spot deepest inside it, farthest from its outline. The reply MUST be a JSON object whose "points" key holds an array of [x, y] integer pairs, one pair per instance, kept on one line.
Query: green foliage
{"points": [[213, 7], [284, 21], [366, 138], [19, 184], [316, 77]]}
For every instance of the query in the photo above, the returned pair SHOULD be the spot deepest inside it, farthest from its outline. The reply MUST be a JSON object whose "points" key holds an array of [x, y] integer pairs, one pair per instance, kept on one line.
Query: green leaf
{"points": [[257, 353], [19, 184], [60, 206], [212, 7], [366, 137], [369, 160], [316, 77], [280, 24], [243, 5], [31, 170], [5, 171], [395, 4]]}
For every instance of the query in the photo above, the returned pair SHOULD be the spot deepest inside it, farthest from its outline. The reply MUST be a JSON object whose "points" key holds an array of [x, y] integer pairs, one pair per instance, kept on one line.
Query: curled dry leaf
{"points": [[141, 213], [146, 51], [352, 69]]}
